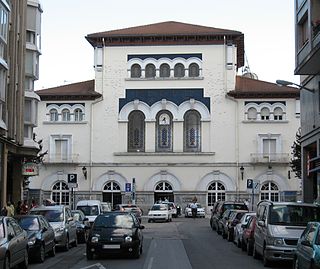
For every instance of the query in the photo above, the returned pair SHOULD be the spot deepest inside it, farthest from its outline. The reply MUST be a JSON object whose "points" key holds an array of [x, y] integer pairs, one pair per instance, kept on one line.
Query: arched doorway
{"points": [[270, 191], [216, 192], [163, 191], [112, 193], [60, 193]]}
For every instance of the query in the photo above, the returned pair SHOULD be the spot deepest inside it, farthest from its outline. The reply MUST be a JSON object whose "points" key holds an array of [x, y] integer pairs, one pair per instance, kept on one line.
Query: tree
{"points": [[295, 162]]}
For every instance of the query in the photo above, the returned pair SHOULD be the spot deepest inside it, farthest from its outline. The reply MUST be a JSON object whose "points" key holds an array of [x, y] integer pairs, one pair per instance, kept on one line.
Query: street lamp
{"points": [[84, 172], [288, 83], [241, 171]]}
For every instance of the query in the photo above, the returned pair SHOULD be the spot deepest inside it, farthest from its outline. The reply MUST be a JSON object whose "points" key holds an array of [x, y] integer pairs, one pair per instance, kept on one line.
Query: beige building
{"points": [[167, 112]]}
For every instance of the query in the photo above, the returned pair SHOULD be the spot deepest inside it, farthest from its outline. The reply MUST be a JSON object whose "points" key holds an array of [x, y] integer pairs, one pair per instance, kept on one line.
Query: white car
{"points": [[172, 208], [159, 212], [200, 211]]}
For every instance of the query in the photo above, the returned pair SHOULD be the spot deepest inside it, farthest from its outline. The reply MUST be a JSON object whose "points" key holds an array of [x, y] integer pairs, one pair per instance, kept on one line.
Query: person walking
{"points": [[10, 209], [193, 209], [24, 208]]}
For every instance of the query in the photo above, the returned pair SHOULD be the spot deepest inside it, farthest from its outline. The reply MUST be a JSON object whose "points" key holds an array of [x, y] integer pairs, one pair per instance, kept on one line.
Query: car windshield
{"points": [[77, 216], [1, 231], [236, 206], [89, 210], [29, 223], [159, 207], [114, 221], [293, 215], [50, 215]]}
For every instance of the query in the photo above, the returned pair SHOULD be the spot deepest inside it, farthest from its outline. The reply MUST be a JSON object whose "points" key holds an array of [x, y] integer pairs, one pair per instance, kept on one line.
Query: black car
{"points": [[83, 225], [220, 208], [115, 233], [40, 236], [13, 244]]}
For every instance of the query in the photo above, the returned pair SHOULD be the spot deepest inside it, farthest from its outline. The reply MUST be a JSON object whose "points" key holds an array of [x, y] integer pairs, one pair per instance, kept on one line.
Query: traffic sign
{"points": [[73, 185], [128, 187], [72, 178], [249, 183]]}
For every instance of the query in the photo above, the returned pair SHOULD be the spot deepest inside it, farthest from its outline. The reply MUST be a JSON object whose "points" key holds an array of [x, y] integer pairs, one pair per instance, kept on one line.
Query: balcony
{"points": [[58, 158], [269, 157]]}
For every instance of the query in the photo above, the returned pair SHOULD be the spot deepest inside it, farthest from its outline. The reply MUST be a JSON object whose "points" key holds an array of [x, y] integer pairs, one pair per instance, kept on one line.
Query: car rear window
{"points": [[89, 210], [29, 223], [50, 215]]}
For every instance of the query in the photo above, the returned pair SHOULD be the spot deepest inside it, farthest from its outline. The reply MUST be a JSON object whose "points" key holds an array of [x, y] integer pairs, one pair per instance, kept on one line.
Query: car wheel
{"points": [[52, 252], [255, 254], [25, 263], [66, 246], [265, 260], [89, 255], [6, 262], [41, 254]]}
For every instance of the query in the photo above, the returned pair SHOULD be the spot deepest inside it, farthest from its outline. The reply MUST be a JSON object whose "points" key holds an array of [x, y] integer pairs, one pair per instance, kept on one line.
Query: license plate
{"points": [[111, 246]]}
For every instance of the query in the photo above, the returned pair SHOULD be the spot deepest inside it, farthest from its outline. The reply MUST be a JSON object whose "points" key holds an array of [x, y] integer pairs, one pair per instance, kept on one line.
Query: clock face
{"points": [[164, 119]]}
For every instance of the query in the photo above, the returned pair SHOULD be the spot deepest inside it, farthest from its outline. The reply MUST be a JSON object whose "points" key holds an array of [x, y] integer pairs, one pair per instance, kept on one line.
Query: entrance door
{"points": [[163, 191], [112, 193]]}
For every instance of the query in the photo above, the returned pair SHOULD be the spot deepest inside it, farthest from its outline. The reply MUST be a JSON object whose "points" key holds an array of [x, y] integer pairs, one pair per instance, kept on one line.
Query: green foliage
{"points": [[295, 162]]}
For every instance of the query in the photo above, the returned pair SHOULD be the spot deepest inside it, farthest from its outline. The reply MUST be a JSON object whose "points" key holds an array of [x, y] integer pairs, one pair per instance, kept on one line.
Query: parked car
{"points": [[13, 244], [248, 235], [234, 219], [130, 208], [172, 208], [159, 212], [279, 226], [82, 224], [93, 208], [221, 207], [223, 222], [60, 218], [40, 236], [115, 232], [238, 229], [307, 254], [200, 211]]}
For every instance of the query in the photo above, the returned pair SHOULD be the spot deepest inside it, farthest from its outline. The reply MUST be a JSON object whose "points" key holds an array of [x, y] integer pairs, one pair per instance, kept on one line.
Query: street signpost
{"points": [[253, 187], [133, 191], [72, 183]]}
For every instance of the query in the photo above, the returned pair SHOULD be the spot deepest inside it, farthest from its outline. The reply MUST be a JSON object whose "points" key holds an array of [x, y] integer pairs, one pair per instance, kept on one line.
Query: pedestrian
{"points": [[4, 211], [33, 204], [24, 208], [10, 211], [193, 206], [18, 208], [12, 208]]}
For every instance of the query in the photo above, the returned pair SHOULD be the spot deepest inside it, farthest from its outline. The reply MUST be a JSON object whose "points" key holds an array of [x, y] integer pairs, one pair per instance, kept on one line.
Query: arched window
{"points": [[265, 114], [53, 115], [112, 193], [164, 131], [278, 113], [65, 115], [60, 193], [135, 71], [216, 192], [163, 186], [179, 71], [78, 115], [252, 113], [192, 131], [194, 70], [136, 130], [150, 71], [164, 71], [269, 191]]}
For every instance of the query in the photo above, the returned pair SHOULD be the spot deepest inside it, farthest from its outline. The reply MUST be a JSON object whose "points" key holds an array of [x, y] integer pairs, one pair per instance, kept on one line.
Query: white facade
{"points": [[211, 171]]}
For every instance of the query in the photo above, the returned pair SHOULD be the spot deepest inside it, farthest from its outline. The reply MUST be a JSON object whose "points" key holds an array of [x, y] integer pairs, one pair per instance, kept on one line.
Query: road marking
{"points": [[98, 265], [150, 263]]}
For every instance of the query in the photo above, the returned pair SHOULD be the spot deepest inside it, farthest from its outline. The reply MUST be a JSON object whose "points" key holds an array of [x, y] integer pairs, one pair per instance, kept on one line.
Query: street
{"points": [[183, 243]]}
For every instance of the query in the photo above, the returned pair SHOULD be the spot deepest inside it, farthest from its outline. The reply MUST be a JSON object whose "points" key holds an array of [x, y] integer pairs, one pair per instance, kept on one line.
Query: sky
{"points": [[67, 57]]}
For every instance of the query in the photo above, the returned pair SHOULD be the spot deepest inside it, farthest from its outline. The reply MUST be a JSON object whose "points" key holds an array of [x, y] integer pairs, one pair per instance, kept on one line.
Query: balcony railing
{"points": [[269, 157], [58, 158]]}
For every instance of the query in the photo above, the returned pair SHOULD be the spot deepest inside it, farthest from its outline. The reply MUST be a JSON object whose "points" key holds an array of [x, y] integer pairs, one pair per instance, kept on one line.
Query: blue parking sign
{"points": [[128, 187]]}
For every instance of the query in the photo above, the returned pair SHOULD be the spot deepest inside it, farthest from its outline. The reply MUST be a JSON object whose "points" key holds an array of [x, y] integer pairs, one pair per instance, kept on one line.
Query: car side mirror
{"points": [[261, 223]]}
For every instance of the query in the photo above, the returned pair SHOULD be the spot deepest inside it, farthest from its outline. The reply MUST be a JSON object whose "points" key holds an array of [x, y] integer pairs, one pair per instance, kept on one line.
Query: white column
{"points": [[205, 136], [150, 136], [177, 136]]}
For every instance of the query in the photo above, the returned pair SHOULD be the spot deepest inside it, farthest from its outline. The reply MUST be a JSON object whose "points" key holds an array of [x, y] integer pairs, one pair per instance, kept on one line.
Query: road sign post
{"points": [[133, 191], [72, 183]]}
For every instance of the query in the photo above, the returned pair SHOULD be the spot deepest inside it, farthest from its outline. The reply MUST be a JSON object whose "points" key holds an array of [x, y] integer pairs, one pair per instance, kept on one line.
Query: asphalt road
{"points": [[181, 244]]}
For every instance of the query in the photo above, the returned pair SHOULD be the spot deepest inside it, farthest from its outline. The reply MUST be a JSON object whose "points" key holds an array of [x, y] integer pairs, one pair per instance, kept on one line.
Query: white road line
{"points": [[150, 263], [99, 265]]}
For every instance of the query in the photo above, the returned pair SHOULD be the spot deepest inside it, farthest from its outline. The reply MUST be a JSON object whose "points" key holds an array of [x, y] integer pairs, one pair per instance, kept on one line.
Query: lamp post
{"points": [[84, 172], [288, 83], [241, 171]]}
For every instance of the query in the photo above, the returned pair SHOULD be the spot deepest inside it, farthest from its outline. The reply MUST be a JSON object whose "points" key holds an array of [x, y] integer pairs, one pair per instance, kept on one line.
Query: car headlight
{"points": [[95, 238], [128, 239], [275, 241], [32, 241]]}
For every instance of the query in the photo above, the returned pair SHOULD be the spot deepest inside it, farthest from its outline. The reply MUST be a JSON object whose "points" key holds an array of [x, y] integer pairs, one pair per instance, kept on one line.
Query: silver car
{"points": [[61, 219]]}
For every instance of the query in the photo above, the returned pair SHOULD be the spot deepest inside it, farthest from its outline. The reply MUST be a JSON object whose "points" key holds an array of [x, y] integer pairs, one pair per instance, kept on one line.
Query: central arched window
{"points": [[265, 114], [164, 131], [270, 191], [150, 71], [78, 115], [112, 193], [135, 71], [192, 131], [65, 115], [216, 192], [164, 71], [163, 186], [53, 115], [136, 131], [179, 71], [60, 193]]}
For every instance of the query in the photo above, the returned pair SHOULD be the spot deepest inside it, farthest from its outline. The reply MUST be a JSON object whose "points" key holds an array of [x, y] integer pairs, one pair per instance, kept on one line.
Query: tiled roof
{"points": [[76, 91], [169, 33], [253, 88]]}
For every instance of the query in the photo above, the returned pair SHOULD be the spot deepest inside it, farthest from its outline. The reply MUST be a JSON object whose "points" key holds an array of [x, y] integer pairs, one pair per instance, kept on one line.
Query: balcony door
{"points": [[269, 148]]}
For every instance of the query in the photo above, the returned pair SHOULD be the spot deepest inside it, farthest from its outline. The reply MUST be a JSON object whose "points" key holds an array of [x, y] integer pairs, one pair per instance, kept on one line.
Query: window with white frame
{"points": [[4, 22], [78, 114], [164, 71], [269, 191], [112, 193], [136, 131], [53, 114], [278, 113], [65, 114], [136, 71], [265, 113], [179, 70], [252, 113], [164, 131], [270, 146], [192, 131], [163, 186], [150, 71], [60, 193], [194, 70], [216, 192], [60, 148]]}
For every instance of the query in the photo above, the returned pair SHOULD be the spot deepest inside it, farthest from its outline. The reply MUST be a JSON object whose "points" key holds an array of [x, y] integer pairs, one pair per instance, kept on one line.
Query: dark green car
{"points": [[307, 254]]}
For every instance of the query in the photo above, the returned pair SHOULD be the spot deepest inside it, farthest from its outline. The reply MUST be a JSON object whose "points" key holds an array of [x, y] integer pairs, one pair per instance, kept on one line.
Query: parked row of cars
{"points": [[277, 231]]}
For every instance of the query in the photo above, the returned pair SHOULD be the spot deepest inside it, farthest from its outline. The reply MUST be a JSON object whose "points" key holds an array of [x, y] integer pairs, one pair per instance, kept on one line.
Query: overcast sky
{"points": [[268, 28]]}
